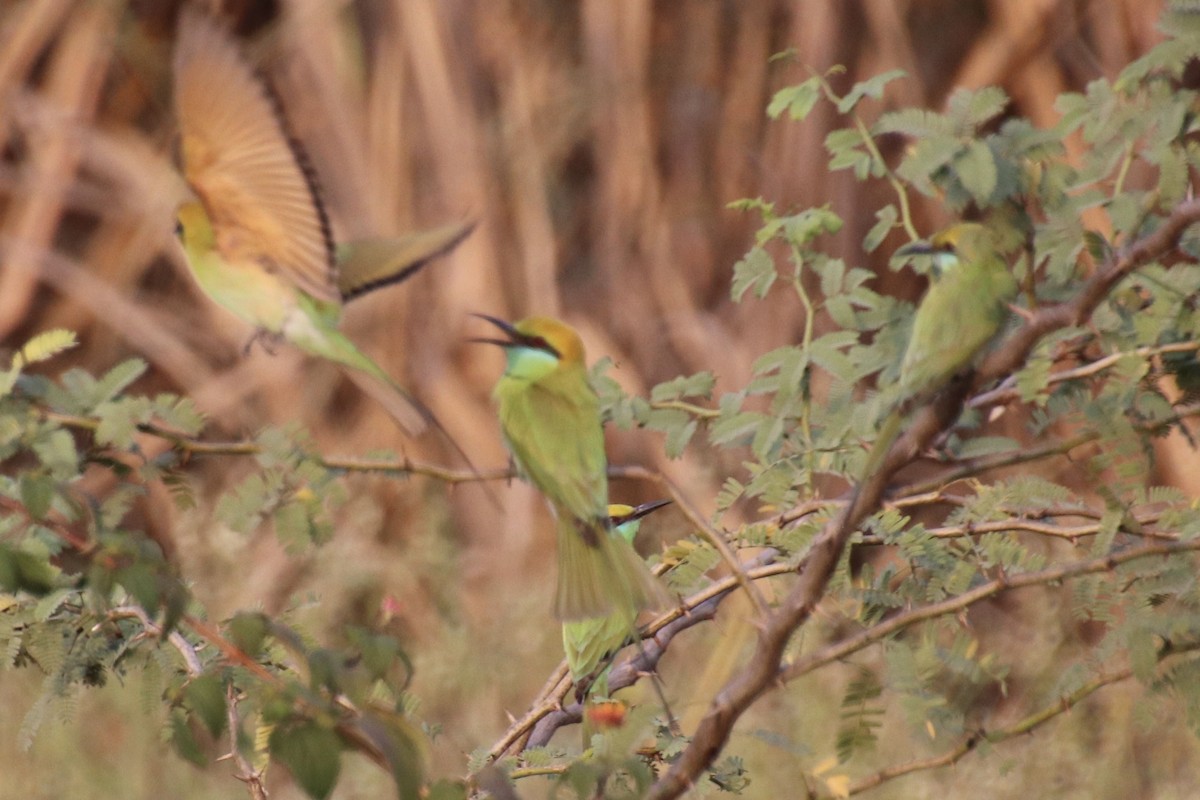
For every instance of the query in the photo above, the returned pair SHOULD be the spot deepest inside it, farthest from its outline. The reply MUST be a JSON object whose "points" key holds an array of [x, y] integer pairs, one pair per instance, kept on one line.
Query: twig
{"points": [[175, 638], [951, 605], [247, 774], [52, 520], [699, 412], [1019, 728], [1071, 532], [1007, 390], [722, 547], [548, 712]]}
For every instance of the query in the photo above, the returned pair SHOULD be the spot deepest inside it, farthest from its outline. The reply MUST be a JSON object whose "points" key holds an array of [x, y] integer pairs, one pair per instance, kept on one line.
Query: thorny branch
{"points": [[1023, 726], [815, 570]]}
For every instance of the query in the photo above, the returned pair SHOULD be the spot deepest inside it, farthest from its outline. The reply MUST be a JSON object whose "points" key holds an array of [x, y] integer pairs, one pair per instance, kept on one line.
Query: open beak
{"points": [[514, 336], [639, 512]]}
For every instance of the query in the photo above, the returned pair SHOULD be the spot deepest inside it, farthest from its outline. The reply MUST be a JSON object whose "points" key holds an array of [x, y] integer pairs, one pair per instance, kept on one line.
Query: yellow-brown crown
{"points": [[559, 335], [969, 240]]}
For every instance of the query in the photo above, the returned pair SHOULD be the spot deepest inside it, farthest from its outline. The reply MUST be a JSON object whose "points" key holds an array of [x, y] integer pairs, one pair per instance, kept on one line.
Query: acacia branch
{"points": [[761, 672], [190, 659], [1023, 524], [655, 637], [1019, 728], [952, 605], [1007, 390], [247, 774]]}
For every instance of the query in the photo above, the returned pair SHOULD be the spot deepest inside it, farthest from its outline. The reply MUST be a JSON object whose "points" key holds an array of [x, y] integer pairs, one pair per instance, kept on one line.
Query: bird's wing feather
{"points": [[369, 264], [560, 446], [251, 176]]}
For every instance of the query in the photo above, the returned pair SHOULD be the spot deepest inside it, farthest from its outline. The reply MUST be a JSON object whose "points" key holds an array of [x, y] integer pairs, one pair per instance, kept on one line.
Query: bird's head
{"points": [[626, 519], [192, 225], [963, 243], [537, 346]]}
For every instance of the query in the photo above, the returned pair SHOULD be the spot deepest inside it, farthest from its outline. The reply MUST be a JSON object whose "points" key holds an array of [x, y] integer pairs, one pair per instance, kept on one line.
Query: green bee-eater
{"points": [[963, 309], [256, 235], [588, 642], [550, 418]]}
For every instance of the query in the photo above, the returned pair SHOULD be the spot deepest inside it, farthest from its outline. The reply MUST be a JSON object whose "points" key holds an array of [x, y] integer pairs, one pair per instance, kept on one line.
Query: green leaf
{"points": [[119, 377], [295, 526], [247, 630], [972, 108], [205, 696], [24, 571], [1143, 655], [917, 123], [678, 426], [977, 170], [311, 752], [727, 430], [56, 450], [118, 421], [872, 87], [986, 446], [184, 740], [141, 580], [796, 100], [886, 218], [37, 493], [755, 271], [47, 345], [810, 223], [678, 437], [698, 385], [402, 746]]}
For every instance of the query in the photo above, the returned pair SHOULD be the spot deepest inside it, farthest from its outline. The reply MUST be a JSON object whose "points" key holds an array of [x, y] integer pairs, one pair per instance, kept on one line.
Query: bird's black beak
{"points": [[639, 512], [514, 336], [919, 248]]}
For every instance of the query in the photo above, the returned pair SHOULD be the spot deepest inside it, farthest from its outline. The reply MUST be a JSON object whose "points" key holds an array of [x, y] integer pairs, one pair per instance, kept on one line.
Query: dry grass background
{"points": [[597, 143]]}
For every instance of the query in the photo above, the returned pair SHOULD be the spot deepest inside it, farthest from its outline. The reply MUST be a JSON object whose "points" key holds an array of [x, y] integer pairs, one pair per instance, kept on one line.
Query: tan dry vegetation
{"points": [[595, 142]]}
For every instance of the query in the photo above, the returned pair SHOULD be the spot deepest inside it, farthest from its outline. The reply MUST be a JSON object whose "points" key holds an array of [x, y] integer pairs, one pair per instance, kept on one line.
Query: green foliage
{"points": [[1042, 481], [311, 752]]}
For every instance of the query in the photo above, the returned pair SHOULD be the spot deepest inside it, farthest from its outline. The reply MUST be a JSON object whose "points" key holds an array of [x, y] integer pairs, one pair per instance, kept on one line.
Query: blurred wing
{"points": [[370, 264], [238, 158]]}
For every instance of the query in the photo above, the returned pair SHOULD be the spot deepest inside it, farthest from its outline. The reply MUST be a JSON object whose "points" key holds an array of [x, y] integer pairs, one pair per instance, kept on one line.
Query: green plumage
{"points": [[588, 642], [550, 417], [254, 230], [964, 307]]}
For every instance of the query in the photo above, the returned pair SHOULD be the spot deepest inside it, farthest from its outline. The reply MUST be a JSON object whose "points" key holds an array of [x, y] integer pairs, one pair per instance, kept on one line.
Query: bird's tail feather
{"points": [[408, 412], [411, 414], [889, 431], [599, 573]]}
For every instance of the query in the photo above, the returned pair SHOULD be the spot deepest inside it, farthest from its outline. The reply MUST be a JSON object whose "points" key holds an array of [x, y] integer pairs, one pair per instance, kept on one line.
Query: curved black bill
{"points": [[514, 336], [919, 248], [639, 512]]}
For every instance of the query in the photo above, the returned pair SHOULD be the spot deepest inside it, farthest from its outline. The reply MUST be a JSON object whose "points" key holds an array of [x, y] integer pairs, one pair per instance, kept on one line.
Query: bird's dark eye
{"points": [[541, 344], [178, 229]]}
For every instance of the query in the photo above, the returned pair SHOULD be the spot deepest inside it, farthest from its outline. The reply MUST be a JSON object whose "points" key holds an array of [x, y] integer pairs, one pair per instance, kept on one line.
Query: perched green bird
{"points": [[255, 233], [588, 642], [964, 307], [550, 418]]}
